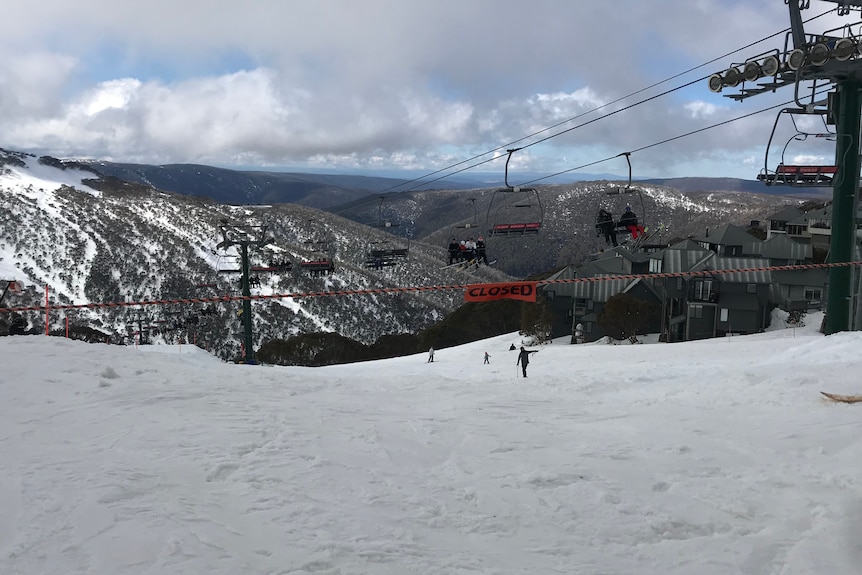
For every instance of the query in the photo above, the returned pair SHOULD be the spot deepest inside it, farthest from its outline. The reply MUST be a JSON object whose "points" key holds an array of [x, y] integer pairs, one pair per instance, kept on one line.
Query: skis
{"points": [[648, 233], [843, 398], [469, 264], [459, 265]]}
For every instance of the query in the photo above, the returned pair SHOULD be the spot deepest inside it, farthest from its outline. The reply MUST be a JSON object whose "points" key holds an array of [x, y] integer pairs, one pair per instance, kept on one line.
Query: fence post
{"points": [[46, 310]]}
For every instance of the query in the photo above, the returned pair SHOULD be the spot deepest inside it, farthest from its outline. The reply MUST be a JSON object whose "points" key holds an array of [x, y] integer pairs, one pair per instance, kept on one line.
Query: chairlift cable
{"points": [[665, 141], [423, 181]]}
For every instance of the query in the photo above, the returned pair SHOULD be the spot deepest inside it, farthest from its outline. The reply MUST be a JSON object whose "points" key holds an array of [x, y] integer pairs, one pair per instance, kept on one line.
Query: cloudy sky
{"points": [[370, 85]]}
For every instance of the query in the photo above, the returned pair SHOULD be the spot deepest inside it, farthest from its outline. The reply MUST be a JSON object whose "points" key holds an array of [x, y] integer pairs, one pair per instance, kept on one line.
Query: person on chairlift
{"points": [[605, 225], [629, 221]]}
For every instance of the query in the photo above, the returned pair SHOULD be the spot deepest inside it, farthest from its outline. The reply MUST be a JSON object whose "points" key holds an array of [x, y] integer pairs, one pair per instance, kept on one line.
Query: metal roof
{"points": [[780, 246], [675, 261], [786, 214], [687, 245], [725, 263], [730, 235]]}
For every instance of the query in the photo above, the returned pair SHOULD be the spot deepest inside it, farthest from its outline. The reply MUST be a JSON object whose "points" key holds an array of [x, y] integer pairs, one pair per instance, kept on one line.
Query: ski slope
{"points": [[711, 457]]}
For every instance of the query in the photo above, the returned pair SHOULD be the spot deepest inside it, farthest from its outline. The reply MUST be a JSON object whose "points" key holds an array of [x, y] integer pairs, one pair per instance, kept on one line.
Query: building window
{"points": [[813, 294], [590, 305], [655, 266], [702, 290], [549, 295], [697, 311], [724, 314], [679, 283], [751, 288]]}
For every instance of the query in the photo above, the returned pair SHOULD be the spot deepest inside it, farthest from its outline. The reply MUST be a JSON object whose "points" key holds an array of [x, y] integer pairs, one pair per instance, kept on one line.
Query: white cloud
{"points": [[114, 94], [291, 83], [701, 110]]}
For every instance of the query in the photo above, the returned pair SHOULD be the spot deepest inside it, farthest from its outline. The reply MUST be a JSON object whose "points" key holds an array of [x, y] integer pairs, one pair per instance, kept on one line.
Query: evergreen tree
{"points": [[625, 315], [537, 320]]}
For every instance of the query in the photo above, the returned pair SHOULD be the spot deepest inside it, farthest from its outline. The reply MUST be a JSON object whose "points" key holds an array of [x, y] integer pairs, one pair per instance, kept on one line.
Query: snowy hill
{"points": [[98, 240], [665, 458]]}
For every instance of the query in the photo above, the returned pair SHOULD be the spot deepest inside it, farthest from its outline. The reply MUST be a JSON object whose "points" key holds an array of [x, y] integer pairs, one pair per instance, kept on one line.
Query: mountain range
{"points": [[327, 190], [97, 235]]}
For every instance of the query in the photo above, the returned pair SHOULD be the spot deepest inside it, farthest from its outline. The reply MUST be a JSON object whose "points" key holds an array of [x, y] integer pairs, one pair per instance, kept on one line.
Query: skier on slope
{"points": [[524, 358]]}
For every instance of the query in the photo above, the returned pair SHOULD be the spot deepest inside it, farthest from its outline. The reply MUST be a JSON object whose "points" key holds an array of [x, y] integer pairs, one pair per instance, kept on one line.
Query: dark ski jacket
{"points": [[524, 356], [605, 221], [629, 219]]}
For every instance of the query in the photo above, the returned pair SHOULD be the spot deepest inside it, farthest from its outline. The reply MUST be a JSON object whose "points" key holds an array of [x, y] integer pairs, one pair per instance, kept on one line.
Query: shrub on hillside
{"points": [[624, 315]]}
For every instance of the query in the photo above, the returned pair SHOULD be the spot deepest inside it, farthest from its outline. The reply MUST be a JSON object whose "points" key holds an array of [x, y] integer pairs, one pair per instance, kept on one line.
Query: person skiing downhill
{"points": [[524, 358]]}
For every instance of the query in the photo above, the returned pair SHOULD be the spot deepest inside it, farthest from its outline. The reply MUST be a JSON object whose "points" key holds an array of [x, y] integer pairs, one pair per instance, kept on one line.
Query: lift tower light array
{"points": [[782, 67]]}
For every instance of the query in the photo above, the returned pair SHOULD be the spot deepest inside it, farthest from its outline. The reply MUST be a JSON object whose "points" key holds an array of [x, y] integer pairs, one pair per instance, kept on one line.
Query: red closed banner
{"points": [[524, 291]]}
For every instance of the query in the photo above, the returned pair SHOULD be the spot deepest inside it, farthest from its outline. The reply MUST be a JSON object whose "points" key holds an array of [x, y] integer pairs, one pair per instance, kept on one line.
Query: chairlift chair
{"points": [[388, 251], [798, 175], [616, 198], [320, 261], [383, 253], [463, 228], [227, 263], [461, 232], [11, 286], [514, 210], [274, 265]]}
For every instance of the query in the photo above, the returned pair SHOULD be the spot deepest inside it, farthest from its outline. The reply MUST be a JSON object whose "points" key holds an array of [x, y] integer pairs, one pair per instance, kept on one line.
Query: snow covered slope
{"points": [[713, 457]]}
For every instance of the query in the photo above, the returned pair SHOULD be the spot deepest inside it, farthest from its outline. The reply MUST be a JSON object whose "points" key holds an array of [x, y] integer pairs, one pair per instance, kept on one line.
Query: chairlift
{"points": [[274, 265], [208, 309], [514, 210], [320, 260], [383, 254], [460, 236], [464, 231], [463, 228], [228, 263], [11, 286], [615, 200], [799, 175], [389, 250]]}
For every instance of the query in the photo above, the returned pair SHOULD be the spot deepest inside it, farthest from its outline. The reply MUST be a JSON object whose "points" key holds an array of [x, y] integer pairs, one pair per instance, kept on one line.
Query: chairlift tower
{"points": [[140, 317], [244, 236], [11, 285], [833, 58]]}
